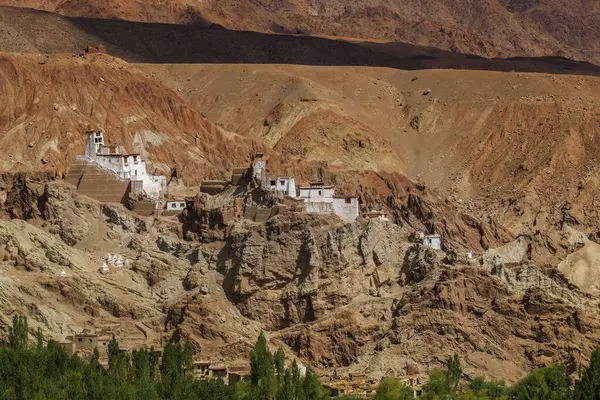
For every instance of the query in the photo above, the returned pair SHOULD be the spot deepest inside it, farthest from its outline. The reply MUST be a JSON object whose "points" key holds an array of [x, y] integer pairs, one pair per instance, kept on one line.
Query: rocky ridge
{"points": [[489, 28], [343, 298]]}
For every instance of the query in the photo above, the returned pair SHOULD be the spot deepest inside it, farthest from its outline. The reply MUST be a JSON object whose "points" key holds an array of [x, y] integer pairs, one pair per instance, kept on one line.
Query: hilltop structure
{"points": [[321, 199], [127, 166], [318, 198], [108, 174]]}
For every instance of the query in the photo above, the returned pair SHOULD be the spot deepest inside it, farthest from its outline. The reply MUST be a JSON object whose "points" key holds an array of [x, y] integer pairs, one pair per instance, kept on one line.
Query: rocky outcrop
{"points": [[361, 298], [357, 298], [279, 270]]}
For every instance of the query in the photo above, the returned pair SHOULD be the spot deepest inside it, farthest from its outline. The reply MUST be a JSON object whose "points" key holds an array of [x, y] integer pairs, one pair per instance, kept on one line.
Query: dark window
{"points": [[319, 193], [282, 183], [80, 340], [98, 134], [90, 340], [348, 201], [273, 183], [173, 205], [181, 204]]}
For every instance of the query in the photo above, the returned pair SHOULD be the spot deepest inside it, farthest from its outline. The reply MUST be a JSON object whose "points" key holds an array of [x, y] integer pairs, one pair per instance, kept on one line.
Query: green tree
{"points": [[75, 386], [453, 374], [171, 371], [437, 386], [312, 388], [297, 381], [588, 388], [188, 355], [279, 361], [113, 353], [262, 374], [543, 384], [39, 337], [17, 334], [444, 384], [286, 388], [479, 388], [140, 364], [393, 389]]}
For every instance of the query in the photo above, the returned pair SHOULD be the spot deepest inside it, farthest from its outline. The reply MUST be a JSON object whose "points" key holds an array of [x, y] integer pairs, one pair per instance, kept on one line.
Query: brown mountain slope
{"points": [[488, 28], [49, 101], [31, 31], [356, 298], [520, 146]]}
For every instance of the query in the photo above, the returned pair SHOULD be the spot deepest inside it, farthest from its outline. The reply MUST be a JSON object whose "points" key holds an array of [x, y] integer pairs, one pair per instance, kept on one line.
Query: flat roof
{"points": [[341, 196], [317, 187]]}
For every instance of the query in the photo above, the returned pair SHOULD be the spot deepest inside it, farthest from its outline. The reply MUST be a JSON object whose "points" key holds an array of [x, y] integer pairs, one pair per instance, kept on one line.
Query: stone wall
{"points": [[97, 183]]}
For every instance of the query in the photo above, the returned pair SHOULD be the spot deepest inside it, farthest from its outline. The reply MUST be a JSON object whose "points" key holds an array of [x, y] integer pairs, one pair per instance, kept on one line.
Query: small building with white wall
{"points": [[286, 185], [433, 241], [378, 215], [346, 207], [175, 205], [318, 198], [317, 192], [321, 199]]}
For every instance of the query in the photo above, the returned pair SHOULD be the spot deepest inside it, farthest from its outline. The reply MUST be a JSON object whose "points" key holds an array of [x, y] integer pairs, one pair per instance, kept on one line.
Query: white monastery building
{"points": [[432, 241], [318, 197], [176, 205], [346, 207], [321, 199], [128, 167], [286, 185]]}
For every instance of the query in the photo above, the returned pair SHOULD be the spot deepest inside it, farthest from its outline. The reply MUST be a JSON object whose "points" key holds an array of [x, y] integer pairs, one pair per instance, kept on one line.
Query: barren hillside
{"points": [[490, 28], [50, 101], [517, 143], [499, 156], [352, 298]]}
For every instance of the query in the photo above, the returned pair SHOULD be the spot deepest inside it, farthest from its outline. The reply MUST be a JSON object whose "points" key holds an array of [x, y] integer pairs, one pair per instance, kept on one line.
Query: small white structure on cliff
{"points": [[317, 192], [321, 199], [433, 241], [318, 197], [286, 185], [128, 167], [176, 205], [378, 215], [346, 207]]}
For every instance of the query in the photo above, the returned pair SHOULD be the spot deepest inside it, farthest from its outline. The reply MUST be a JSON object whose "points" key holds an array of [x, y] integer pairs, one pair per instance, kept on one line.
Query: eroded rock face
{"points": [[356, 297], [294, 269], [360, 297]]}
